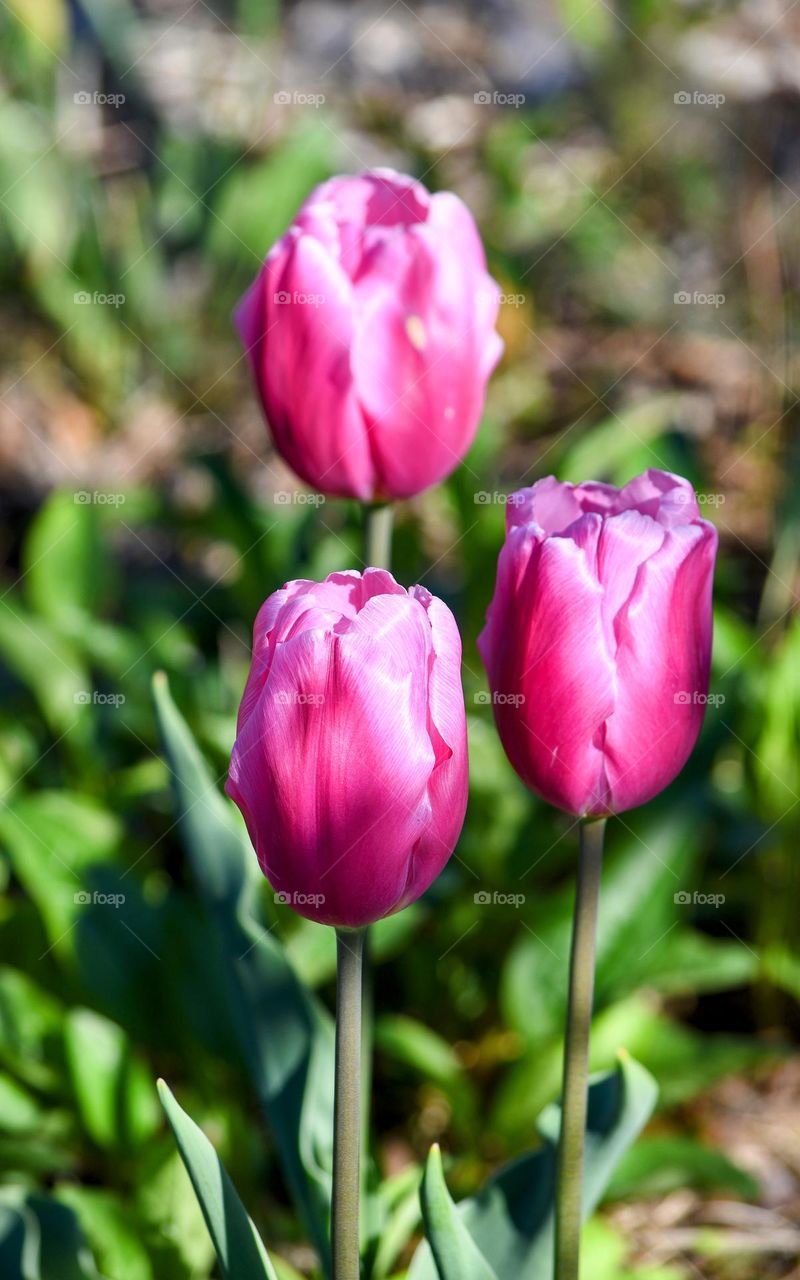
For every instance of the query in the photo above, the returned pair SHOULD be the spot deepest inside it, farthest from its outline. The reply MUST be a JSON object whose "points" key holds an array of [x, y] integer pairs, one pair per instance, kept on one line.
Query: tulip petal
{"points": [[625, 542], [447, 727], [668, 498], [370, 332], [549, 505], [415, 352], [663, 658], [351, 213], [303, 368], [452, 221], [548, 648], [618, 582], [319, 812]]}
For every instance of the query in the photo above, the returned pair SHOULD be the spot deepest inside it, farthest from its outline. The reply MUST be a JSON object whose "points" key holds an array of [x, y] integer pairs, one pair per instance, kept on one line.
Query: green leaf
{"points": [[41, 1239], [64, 1253], [256, 202], [589, 25], [692, 963], [419, 1046], [603, 1254], [239, 1248], [646, 865], [166, 1203], [782, 967], [396, 1208], [33, 169], [113, 1233], [620, 1104], [115, 1099], [661, 1165], [311, 947], [19, 1111], [682, 1061], [284, 1034], [30, 1029], [511, 1218], [56, 840], [63, 557], [44, 22], [455, 1253], [47, 665], [611, 450], [774, 759], [18, 1250]]}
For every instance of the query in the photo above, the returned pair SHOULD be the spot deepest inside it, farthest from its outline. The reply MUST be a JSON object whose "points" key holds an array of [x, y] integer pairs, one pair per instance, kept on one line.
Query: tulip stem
{"points": [[347, 1106], [378, 535], [575, 1091], [378, 524]]}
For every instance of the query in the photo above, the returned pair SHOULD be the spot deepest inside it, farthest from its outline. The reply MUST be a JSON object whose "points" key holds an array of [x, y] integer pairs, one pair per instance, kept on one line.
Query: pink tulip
{"points": [[370, 332], [350, 762], [598, 639]]}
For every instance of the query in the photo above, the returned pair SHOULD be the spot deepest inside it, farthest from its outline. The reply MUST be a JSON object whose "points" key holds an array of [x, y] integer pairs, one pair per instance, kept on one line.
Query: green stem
{"points": [[347, 1107], [378, 535], [378, 524], [367, 1037], [569, 1177]]}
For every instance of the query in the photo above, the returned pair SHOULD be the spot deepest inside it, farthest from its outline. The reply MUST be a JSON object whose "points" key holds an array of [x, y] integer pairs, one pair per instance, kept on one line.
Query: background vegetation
{"points": [[646, 237]]}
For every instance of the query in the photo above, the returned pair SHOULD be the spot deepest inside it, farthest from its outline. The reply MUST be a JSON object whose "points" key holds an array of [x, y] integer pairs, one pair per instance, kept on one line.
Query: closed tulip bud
{"points": [[598, 640], [350, 761], [370, 334]]}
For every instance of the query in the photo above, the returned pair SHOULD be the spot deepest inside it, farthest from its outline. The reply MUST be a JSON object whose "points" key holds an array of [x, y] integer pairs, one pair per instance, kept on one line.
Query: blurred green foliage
{"points": [[115, 967]]}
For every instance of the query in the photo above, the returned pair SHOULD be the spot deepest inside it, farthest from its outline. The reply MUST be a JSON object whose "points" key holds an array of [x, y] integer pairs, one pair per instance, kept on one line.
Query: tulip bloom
{"points": [[598, 639], [370, 334], [350, 761]]}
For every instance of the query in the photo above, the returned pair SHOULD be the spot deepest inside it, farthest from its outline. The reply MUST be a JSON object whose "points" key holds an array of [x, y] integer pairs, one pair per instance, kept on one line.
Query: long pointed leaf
{"points": [[455, 1253], [511, 1220], [238, 1246], [285, 1035]]}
